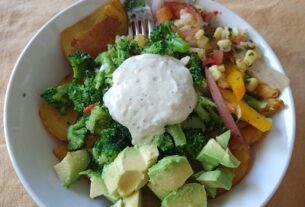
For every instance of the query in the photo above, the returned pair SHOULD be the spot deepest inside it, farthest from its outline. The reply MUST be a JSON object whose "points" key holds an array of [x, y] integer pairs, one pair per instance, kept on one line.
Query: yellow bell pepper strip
{"points": [[248, 114], [235, 79]]}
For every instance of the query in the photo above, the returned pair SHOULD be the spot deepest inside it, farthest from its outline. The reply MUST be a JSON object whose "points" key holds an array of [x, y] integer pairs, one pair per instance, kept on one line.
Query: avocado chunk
{"points": [[229, 160], [127, 173], [119, 203], [211, 155], [224, 139], [112, 197], [211, 191], [133, 200], [69, 168], [191, 194], [218, 178], [149, 153], [169, 174], [97, 185]]}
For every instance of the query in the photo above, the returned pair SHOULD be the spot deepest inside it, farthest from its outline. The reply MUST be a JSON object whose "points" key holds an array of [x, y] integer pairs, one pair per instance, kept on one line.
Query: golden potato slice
{"points": [[243, 154], [93, 33], [60, 151], [56, 123], [264, 90], [251, 134]]}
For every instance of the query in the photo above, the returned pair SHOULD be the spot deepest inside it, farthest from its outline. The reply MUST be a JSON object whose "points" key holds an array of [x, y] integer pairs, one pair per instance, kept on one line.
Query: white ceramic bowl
{"points": [[42, 64]]}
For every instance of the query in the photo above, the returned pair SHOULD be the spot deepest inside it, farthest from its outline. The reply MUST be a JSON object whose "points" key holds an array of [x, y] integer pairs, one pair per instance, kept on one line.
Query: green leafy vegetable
{"points": [[77, 134], [58, 97], [112, 140]]}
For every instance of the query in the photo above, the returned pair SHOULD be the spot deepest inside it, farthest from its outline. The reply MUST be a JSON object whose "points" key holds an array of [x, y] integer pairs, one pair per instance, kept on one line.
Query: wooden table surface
{"points": [[282, 23]]}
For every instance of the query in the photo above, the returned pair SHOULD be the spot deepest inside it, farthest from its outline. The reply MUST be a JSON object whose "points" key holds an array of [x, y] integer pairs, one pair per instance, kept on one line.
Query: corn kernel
{"points": [[201, 53], [241, 65], [224, 45], [216, 74], [250, 57], [141, 40], [185, 60], [199, 34], [221, 68], [202, 42], [222, 83], [252, 84], [218, 33]]}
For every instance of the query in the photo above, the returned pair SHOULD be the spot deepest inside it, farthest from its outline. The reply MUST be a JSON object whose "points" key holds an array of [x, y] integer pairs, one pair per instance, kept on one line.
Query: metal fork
{"points": [[141, 21]]}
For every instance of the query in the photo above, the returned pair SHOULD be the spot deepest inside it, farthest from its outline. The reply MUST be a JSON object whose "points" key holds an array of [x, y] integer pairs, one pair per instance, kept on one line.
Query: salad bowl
{"points": [[42, 64]]}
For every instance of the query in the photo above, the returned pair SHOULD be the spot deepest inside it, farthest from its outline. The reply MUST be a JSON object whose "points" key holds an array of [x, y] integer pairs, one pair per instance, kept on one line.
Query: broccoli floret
{"points": [[193, 122], [165, 41], [131, 4], [206, 110], [77, 134], [58, 97], [112, 140], [92, 174], [177, 133], [195, 140], [98, 120], [112, 58], [195, 69], [84, 94], [164, 143], [81, 62]]}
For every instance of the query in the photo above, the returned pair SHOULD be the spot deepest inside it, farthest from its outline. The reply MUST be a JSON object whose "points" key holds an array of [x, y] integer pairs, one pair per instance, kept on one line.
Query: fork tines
{"points": [[140, 21]]}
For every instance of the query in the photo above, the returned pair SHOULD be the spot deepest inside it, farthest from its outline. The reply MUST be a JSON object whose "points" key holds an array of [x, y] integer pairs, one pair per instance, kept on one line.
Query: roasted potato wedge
{"points": [[244, 156], [56, 123], [93, 33], [251, 134], [60, 151], [264, 90]]}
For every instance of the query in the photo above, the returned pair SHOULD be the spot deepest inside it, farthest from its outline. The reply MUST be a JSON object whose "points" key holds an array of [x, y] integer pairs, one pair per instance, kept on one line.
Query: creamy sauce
{"points": [[149, 92]]}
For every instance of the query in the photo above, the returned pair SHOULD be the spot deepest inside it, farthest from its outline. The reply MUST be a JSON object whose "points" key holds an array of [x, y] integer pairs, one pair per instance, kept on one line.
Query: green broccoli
{"points": [[80, 63], [195, 69], [98, 120], [193, 122], [164, 143], [165, 41], [195, 141], [84, 94], [76, 134], [112, 58], [131, 4], [58, 97], [177, 133], [112, 140], [206, 110]]}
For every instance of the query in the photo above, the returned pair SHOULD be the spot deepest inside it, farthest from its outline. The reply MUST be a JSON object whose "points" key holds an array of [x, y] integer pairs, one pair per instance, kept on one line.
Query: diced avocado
{"points": [[149, 153], [127, 173], [211, 155], [191, 194], [97, 185], [169, 174], [69, 168], [133, 200], [229, 160], [216, 179], [112, 197], [224, 139], [211, 191], [119, 203]]}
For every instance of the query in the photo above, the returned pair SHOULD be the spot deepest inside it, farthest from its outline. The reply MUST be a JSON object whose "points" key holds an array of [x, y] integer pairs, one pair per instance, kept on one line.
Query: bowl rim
{"points": [[16, 167]]}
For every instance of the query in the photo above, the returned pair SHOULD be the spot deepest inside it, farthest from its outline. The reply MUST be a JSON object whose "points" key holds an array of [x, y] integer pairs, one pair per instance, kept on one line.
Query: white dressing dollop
{"points": [[149, 92]]}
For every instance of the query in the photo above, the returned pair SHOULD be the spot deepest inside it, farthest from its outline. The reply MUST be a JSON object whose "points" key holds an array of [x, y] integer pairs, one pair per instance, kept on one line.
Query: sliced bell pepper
{"points": [[235, 79], [248, 114]]}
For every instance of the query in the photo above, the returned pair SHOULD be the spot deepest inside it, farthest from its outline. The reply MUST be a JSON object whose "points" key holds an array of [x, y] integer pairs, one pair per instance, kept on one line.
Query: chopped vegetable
{"points": [[248, 114]]}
